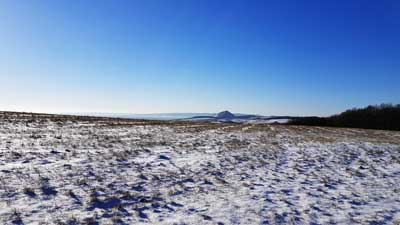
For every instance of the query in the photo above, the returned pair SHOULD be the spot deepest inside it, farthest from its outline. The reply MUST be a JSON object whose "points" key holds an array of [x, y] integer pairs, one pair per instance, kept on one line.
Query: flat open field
{"points": [[86, 170]]}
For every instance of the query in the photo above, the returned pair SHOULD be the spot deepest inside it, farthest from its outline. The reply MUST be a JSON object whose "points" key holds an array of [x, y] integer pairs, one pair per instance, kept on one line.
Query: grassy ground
{"points": [[58, 169]]}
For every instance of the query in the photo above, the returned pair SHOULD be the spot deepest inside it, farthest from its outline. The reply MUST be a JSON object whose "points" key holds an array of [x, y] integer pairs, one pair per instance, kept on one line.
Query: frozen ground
{"points": [[74, 170]]}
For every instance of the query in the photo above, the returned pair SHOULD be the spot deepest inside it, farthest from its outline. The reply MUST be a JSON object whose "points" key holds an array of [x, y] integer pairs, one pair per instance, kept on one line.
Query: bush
{"points": [[383, 117]]}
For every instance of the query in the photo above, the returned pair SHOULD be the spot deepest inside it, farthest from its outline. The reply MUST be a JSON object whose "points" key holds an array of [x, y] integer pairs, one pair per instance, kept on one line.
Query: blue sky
{"points": [[267, 57]]}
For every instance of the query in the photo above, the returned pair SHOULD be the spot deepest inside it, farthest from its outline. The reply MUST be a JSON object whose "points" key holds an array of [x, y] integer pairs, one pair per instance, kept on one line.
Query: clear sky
{"points": [[268, 57]]}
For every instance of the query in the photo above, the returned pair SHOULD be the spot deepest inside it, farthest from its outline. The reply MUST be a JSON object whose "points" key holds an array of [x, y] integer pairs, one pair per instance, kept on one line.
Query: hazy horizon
{"points": [[253, 57], [176, 115]]}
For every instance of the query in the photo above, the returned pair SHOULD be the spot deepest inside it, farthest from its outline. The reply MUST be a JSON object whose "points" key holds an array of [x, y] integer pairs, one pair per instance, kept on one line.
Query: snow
{"points": [[111, 171]]}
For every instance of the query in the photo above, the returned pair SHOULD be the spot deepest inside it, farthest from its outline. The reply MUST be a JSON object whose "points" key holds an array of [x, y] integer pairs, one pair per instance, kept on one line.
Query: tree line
{"points": [[383, 117]]}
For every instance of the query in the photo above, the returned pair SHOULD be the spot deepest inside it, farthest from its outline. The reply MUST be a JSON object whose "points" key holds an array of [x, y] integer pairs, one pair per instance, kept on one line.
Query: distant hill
{"points": [[221, 117], [228, 117], [383, 117], [224, 115]]}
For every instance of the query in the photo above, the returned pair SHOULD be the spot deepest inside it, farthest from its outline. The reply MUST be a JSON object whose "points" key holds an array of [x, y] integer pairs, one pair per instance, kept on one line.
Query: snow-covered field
{"points": [[65, 170]]}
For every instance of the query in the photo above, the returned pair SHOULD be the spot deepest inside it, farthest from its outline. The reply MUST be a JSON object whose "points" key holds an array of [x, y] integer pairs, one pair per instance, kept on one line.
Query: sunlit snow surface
{"points": [[67, 171]]}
